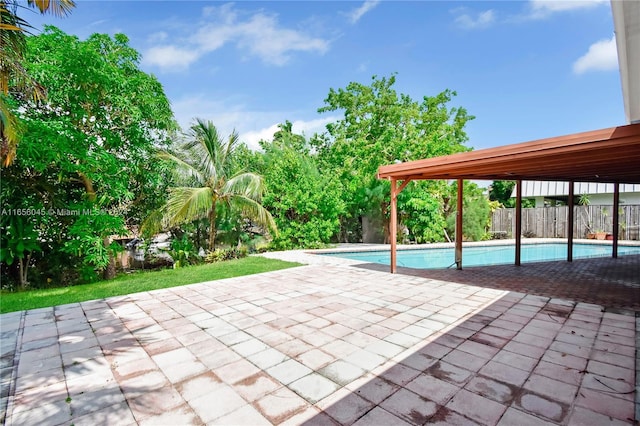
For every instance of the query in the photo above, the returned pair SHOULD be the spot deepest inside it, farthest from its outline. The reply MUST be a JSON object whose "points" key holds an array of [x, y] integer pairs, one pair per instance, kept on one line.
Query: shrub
{"points": [[219, 255], [183, 252]]}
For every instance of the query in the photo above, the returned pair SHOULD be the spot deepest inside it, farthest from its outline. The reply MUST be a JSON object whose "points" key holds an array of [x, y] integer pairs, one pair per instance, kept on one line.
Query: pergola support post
{"points": [[616, 219], [518, 221], [393, 225], [570, 219], [460, 202]]}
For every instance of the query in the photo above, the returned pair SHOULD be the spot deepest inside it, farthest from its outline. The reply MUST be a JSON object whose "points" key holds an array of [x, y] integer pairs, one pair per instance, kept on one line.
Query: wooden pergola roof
{"points": [[609, 155]]}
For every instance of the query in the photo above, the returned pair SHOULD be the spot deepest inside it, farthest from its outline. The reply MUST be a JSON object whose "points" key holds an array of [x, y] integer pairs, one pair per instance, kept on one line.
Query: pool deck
{"points": [[334, 342]]}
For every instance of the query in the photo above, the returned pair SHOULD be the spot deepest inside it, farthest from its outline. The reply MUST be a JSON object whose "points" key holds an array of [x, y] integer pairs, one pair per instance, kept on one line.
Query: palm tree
{"points": [[206, 165], [12, 72]]}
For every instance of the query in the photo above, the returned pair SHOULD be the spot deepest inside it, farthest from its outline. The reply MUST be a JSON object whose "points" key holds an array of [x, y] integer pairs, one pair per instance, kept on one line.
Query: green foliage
{"points": [[220, 255], [13, 30], [422, 214], [212, 187], [584, 200], [87, 235], [304, 202], [476, 213], [383, 127], [501, 190], [183, 252], [19, 238], [85, 156]]}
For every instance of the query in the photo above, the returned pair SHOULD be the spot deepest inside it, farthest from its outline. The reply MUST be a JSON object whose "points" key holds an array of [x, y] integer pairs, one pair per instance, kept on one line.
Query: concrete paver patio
{"points": [[321, 344]]}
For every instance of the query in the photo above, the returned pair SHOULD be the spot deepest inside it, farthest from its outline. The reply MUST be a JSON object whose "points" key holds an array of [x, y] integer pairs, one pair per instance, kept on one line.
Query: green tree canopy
{"points": [[476, 212], [304, 201], [379, 127], [501, 190], [87, 146], [13, 76]]}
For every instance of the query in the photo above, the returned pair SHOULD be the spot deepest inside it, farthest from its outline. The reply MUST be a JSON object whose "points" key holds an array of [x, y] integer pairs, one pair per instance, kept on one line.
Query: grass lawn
{"points": [[137, 282]]}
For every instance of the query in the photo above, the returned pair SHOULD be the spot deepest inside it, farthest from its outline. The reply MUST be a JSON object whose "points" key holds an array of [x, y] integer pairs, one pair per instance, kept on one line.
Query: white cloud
{"points": [[601, 56], [262, 37], [482, 20], [231, 114], [226, 114], [544, 8], [308, 128], [157, 37], [356, 14], [304, 127], [170, 57], [252, 138], [257, 34]]}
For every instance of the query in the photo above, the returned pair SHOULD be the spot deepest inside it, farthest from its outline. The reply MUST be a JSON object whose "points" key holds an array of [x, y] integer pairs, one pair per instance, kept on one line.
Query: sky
{"points": [[525, 69]]}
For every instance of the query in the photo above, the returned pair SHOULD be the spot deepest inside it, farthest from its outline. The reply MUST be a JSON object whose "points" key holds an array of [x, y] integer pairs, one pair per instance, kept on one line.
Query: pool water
{"points": [[438, 258]]}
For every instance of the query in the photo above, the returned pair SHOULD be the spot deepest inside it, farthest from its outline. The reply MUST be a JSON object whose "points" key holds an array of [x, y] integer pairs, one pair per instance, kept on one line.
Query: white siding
{"points": [[599, 193]]}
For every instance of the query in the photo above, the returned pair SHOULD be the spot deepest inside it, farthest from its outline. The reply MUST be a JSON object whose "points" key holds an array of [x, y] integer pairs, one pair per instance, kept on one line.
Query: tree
{"points": [[304, 202], [382, 127], [206, 167], [501, 190], [476, 212], [12, 72], [422, 211], [88, 146]]}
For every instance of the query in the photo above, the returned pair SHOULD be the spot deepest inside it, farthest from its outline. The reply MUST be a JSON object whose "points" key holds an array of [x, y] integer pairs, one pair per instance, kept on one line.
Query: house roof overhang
{"points": [[626, 20], [609, 155]]}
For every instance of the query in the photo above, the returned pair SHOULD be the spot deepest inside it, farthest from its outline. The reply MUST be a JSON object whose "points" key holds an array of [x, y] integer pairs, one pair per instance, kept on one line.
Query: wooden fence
{"points": [[551, 222]]}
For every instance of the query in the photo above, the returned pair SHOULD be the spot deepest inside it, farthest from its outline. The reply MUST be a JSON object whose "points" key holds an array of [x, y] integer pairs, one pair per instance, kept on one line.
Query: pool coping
{"points": [[370, 247]]}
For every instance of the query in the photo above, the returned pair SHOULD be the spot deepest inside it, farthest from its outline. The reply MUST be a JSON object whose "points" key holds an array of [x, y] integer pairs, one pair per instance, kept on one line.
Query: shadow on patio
{"points": [[612, 283], [522, 360]]}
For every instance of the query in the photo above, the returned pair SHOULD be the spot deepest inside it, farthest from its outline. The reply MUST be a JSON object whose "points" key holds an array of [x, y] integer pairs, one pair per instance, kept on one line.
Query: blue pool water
{"points": [[437, 258]]}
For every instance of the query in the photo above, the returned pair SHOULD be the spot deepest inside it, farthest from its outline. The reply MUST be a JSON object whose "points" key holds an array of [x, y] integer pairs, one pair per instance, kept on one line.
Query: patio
{"points": [[325, 343]]}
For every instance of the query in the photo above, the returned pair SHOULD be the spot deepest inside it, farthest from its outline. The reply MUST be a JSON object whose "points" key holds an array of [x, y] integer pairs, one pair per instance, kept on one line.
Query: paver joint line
{"points": [[8, 408]]}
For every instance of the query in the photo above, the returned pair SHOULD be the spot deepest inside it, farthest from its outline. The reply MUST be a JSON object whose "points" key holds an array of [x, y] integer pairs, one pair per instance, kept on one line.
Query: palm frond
{"points": [[9, 27], [248, 185], [230, 148], [185, 169], [205, 146], [254, 211], [186, 204], [55, 7], [155, 223], [9, 133]]}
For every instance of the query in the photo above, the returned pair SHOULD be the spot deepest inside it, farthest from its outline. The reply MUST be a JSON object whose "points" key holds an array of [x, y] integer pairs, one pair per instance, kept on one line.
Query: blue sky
{"points": [[525, 69]]}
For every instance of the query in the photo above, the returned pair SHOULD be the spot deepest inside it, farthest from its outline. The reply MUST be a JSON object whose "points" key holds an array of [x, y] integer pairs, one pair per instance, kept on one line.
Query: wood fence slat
{"points": [[551, 222]]}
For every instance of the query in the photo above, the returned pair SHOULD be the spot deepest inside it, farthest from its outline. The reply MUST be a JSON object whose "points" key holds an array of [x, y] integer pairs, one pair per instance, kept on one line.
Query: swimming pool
{"points": [[438, 258]]}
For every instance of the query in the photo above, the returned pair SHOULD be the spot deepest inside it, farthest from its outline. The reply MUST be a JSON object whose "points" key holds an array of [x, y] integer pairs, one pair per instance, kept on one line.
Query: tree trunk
{"points": [[384, 208], [24, 270], [88, 186], [109, 272], [212, 228]]}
